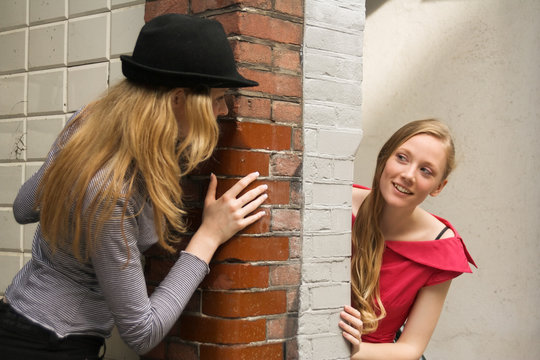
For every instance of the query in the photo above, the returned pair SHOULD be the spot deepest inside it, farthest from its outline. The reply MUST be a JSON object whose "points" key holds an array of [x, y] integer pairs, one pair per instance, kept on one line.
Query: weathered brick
{"points": [[237, 163], [157, 353], [203, 5], [243, 304], [282, 328], [285, 274], [222, 331], [287, 59], [286, 165], [247, 135], [293, 300], [293, 7], [194, 304], [236, 276], [295, 245], [262, 26], [251, 107], [266, 351], [283, 111], [252, 53], [297, 198], [182, 351], [291, 350], [286, 220], [275, 83], [298, 139], [156, 8], [245, 248]]}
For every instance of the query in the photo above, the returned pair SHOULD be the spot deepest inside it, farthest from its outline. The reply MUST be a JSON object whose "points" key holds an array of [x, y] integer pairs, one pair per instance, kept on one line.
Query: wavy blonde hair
{"points": [[129, 140], [367, 237]]}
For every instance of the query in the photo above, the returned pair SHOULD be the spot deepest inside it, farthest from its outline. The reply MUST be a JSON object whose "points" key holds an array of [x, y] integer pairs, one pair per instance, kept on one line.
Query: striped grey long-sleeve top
{"points": [[71, 297]]}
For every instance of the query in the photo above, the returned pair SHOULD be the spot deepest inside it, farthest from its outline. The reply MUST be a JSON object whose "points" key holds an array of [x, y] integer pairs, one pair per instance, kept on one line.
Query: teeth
{"points": [[402, 189]]}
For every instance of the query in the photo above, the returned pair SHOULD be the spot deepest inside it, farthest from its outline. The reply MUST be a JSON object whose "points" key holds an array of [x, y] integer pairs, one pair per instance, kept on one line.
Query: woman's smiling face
{"points": [[414, 171]]}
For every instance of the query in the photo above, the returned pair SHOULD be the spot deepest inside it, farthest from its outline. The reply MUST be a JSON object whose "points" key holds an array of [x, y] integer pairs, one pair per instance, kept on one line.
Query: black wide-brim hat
{"points": [[183, 51]]}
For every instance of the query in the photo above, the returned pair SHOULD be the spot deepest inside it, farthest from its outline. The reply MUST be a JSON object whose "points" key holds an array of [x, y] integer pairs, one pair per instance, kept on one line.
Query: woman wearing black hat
{"points": [[109, 189]]}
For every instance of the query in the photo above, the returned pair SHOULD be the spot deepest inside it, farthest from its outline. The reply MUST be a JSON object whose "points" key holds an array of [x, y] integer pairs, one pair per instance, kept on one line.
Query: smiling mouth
{"points": [[401, 189]]}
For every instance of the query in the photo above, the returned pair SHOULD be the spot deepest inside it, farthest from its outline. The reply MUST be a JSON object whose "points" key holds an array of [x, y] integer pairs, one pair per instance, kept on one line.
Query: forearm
{"points": [[202, 245], [142, 321], [385, 351]]}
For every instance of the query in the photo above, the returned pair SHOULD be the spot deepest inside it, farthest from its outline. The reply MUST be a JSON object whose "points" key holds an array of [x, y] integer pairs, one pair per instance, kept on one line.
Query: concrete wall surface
{"points": [[474, 65]]}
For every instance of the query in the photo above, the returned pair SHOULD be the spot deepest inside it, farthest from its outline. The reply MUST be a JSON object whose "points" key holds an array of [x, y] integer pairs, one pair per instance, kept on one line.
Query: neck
{"points": [[397, 221]]}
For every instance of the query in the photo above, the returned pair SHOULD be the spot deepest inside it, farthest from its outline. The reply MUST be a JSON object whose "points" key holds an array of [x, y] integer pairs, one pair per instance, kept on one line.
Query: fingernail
{"points": [[264, 186], [256, 173]]}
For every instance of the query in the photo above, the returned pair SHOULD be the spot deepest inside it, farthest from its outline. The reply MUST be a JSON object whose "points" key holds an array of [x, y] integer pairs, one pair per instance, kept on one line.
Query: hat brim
{"points": [[150, 75]]}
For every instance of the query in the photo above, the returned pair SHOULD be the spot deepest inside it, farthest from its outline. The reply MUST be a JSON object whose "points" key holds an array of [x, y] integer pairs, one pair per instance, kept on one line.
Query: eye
{"points": [[426, 171], [401, 157]]}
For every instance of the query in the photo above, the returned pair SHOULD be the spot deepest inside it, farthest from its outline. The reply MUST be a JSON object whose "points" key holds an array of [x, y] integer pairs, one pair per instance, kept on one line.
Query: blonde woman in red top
{"points": [[404, 258]]}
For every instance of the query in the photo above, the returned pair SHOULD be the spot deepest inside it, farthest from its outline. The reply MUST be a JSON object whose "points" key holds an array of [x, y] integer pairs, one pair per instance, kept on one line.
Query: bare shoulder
{"points": [[434, 227], [358, 196]]}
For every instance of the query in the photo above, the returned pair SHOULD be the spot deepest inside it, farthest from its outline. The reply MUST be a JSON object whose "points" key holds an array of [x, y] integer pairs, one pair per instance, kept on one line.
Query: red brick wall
{"points": [[247, 307]]}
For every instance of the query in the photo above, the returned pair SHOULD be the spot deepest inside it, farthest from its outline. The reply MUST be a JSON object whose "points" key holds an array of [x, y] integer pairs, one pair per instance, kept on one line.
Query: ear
{"points": [[439, 188], [178, 94]]}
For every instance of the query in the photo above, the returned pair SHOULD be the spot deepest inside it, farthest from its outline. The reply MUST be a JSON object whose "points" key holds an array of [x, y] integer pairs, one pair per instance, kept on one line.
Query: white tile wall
{"points": [[88, 39], [11, 231], [85, 7], [126, 23], [119, 3], [46, 91], [11, 263], [13, 14], [47, 11], [115, 71], [10, 178], [13, 95], [12, 140], [47, 46], [30, 169], [40, 135], [86, 82], [54, 58], [13, 51]]}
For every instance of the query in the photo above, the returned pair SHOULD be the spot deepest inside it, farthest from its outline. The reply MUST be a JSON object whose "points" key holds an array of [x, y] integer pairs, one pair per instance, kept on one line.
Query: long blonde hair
{"points": [[367, 237], [129, 140]]}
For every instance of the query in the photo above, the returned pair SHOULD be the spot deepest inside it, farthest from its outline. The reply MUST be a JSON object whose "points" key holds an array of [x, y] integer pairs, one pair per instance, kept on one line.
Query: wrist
{"points": [[202, 245]]}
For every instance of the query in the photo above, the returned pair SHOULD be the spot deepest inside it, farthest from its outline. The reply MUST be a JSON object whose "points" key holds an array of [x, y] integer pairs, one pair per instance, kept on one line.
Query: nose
{"points": [[408, 174], [222, 108]]}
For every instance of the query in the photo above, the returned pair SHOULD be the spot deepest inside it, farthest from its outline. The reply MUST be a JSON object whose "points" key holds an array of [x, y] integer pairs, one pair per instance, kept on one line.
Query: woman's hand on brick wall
{"points": [[225, 216]]}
